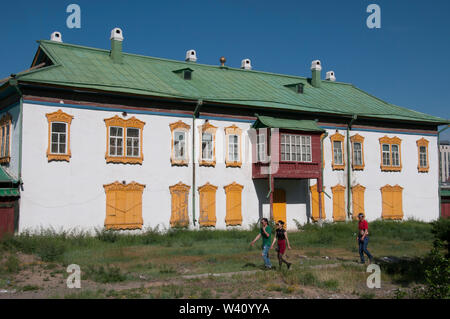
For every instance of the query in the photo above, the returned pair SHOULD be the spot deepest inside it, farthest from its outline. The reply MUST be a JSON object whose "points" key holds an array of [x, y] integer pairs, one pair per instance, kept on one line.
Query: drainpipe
{"points": [[194, 116], [321, 167], [349, 181], [439, 170]]}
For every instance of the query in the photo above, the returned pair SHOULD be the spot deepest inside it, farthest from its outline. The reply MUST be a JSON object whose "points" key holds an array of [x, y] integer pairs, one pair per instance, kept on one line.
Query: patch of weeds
{"points": [[86, 294], [166, 269], [105, 274], [367, 295], [187, 243], [107, 236], [288, 289], [212, 260], [399, 294], [51, 250], [171, 292], [12, 264], [274, 287], [307, 279], [29, 288], [331, 284]]}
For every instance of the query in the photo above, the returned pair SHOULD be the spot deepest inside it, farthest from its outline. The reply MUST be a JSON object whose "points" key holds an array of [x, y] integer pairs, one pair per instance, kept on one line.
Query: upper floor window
{"points": [[295, 148], [422, 148], [337, 150], [179, 144], [124, 140], [5, 138], [261, 147], [233, 140], [390, 154], [59, 136], [358, 152], [208, 144]]}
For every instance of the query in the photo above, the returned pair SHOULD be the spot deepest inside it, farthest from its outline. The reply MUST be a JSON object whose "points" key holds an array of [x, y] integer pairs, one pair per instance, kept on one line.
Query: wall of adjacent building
{"points": [[13, 166]]}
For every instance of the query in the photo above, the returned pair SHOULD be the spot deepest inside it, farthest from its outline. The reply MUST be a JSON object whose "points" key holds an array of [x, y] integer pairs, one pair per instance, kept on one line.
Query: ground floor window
{"points": [[234, 204], [180, 195], [124, 205], [392, 202], [207, 205], [315, 204]]}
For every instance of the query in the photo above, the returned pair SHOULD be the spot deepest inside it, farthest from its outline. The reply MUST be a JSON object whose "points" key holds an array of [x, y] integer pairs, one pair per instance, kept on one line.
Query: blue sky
{"points": [[405, 62]]}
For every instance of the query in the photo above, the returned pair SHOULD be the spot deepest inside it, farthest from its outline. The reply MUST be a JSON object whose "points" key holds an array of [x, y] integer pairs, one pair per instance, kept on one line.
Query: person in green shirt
{"points": [[265, 234]]}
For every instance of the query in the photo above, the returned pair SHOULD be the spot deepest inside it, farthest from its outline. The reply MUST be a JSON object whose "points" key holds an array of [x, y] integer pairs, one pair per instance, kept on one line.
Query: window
{"points": [[179, 216], [5, 138], [337, 150], [358, 200], [207, 216], [179, 143], [295, 148], [124, 205], [261, 147], [392, 206], [124, 140], [208, 145], [423, 164], [338, 203], [59, 136], [315, 212], [234, 204], [358, 152], [233, 154], [390, 154]]}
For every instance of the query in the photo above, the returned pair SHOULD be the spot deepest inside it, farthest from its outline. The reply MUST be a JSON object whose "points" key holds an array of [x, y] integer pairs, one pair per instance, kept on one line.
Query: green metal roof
{"points": [[445, 192], [300, 125], [83, 67]]}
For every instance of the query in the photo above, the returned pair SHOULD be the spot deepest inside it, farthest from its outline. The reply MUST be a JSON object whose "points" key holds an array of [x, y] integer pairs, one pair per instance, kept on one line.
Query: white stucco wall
{"points": [[420, 190], [69, 195]]}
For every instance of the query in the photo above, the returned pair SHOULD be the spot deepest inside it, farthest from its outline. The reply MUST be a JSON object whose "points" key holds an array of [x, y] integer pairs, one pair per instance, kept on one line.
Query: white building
{"points": [[101, 138], [444, 153]]}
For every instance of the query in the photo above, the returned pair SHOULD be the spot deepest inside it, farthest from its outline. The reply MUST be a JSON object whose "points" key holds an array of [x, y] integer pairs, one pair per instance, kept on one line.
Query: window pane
{"points": [[337, 152], [54, 138], [59, 127], [54, 148], [62, 148], [62, 138], [132, 132]]}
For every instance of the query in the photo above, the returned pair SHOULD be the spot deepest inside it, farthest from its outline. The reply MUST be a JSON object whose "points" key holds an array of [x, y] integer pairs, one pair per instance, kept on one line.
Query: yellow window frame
{"points": [[5, 122], [61, 117], [422, 143], [207, 128], [391, 141], [357, 139], [233, 130], [179, 126], [132, 122], [337, 137]]}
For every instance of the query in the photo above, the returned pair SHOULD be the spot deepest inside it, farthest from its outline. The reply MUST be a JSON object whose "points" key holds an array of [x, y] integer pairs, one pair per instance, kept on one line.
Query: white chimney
{"points": [[191, 56], [246, 64], [316, 65], [330, 76], [56, 36], [117, 34]]}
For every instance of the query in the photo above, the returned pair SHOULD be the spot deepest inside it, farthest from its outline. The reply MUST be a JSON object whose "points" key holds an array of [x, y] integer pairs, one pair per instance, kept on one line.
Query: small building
{"points": [[97, 138]]}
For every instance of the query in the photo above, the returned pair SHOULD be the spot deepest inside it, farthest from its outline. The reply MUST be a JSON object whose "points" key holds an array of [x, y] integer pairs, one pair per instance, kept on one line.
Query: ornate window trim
{"points": [[337, 137], [392, 202], [207, 128], [129, 123], [207, 194], [339, 214], [233, 130], [391, 141], [179, 126], [357, 139], [131, 191], [59, 117], [233, 193], [358, 200], [179, 217], [5, 122], [422, 143]]}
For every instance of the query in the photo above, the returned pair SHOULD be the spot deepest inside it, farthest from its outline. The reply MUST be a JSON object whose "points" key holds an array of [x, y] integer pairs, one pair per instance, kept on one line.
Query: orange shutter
{"points": [[179, 216], [358, 200], [338, 203], [207, 205], [315, 204], [392, 202], [279, 205], [234, 204]]}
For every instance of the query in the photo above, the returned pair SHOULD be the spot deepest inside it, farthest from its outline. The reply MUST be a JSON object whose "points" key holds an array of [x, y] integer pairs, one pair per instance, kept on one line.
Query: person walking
{"points": [[281, 238], [265, 233], [363, 238]]}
